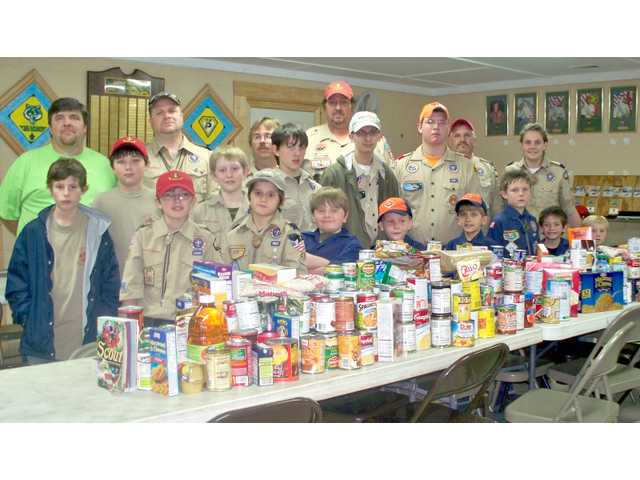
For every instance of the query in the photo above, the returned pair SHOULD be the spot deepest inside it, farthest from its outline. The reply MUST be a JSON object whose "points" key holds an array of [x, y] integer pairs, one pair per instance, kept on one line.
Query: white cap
{"points": [[364, 119]]}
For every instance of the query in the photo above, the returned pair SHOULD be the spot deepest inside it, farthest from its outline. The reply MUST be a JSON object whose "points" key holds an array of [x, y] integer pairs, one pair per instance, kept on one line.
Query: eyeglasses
{"points": [[439, 123], [181, 196]]}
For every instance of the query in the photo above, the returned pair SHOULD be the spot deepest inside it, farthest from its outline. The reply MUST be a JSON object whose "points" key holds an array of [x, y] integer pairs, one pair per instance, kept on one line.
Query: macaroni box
{"points": [[601, 291]]}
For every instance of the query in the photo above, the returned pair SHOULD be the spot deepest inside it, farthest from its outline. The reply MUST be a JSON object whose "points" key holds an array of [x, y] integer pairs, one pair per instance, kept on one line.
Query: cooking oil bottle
{"points": [[207, 327]]}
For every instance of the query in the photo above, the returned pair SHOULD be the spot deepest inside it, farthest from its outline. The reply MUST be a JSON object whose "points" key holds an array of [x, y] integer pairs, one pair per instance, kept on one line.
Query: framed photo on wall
{"points": [[589, 110], [526, 110], [556, 112], [623, 106], [496, 115]]}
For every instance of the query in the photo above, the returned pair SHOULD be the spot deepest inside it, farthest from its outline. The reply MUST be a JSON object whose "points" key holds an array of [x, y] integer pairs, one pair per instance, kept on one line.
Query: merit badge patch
{"points": [[453, 198], [550, 177], [276, 232], [236, 252], [149, 276], [453, 167], [193, 157], [197, 249], [480, 171], [412, 167], [412, 186]]}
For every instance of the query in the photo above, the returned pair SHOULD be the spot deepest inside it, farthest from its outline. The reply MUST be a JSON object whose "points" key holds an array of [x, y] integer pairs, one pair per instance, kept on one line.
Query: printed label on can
{"points": [[440, 332]]}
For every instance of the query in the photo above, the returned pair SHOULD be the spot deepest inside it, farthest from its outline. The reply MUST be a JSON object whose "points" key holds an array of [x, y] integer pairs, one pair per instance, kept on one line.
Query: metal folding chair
{"points": [[293, 410]]}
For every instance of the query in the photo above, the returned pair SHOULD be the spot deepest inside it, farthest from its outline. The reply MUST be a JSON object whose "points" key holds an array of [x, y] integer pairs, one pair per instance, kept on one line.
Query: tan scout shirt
{"points": [[191, 159], [296, 207], [551, 187], [324, 148], [367, 181], [273, 244], [159, 264], [216, 216], [488, 183], [432, 193]]}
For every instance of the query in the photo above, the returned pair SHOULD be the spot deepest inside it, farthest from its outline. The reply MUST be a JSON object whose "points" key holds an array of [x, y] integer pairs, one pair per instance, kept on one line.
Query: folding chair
{"points": [[293, 410]]}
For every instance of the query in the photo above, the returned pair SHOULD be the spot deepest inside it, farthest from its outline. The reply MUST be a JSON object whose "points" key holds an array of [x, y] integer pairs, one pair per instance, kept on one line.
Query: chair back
{"points": [[472, 373], [85, 351], [293, 410]]}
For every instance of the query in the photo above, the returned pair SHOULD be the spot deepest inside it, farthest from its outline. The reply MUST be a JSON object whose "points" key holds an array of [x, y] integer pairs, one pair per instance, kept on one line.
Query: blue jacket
{"points": [[414, 243], [338, 248], [479, 240], [560, 249], [512, 230], [29, 282]]}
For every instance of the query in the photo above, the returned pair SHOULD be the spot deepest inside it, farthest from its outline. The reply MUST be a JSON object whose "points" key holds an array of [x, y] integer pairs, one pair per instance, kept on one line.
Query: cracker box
{"points": [[164, 360], [601, 291]]}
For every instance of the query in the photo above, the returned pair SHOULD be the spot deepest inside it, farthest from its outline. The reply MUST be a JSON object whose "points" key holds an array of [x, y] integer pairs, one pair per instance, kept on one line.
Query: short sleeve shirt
{"points": [[213, 213], [296, 208]]}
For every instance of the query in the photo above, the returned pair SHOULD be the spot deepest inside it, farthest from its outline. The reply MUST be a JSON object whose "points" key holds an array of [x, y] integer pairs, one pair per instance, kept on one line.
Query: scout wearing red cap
{"points": [[130, 143], [340, 87], [461, 122], [174, 179]]}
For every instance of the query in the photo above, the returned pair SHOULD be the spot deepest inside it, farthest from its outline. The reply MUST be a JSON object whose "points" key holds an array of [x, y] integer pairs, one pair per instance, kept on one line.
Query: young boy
{"points": [[158, 267], [553, 221], [289, 145], [130, 204], [227, 206], [63, 272], [471, 211], [265, 236], [599, 228], [396, 219], [514, 227], [331, 242]]}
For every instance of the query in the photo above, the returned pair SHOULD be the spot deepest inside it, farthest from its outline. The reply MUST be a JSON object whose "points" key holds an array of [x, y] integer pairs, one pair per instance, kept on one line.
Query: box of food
{"points": [[601, 291], [564, 273], [214, 269], [265, 272], [390, 347], [164, 360]]}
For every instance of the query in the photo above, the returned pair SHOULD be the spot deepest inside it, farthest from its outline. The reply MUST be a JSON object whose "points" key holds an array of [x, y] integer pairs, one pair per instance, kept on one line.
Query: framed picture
{"points": [[589, 110], [556, 112], [623, 105], [496, 116], [526, 110]]}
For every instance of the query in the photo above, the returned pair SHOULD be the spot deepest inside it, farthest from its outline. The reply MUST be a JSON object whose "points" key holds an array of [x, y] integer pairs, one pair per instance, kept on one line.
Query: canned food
{"points": [[634, 268], [335, 278], [368, 351], [349, 272], [432, 267], [325, 314], [462, 334], [513, 276], [134, 312], [192, 377], [248, 314], [367, 317], [507, 319], [494, 277], [420, 291], [461, 307], [408, 337], [365, 276], [486, 323], [143, 379], [218, 369], [366, 254], [517, 300], [486, 295], [423, 330], [349, 350], [240, 358], [285, 359], [440, 298], [330, 350], [472, 288], [434, 245], [313, 353], [345, 313], [440, 330]]}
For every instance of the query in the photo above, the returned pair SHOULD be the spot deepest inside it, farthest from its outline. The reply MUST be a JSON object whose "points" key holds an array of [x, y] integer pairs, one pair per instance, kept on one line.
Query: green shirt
{"points": [[24, 192]]}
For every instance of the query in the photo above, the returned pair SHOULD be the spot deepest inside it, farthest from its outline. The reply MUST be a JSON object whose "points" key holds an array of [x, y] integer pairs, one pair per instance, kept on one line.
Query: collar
{"points": [[185, 144], [160, 229], [521, 163], [326, 134], [316, 234], [448, 156], [278, 220], [376, 165], [513, 213]]}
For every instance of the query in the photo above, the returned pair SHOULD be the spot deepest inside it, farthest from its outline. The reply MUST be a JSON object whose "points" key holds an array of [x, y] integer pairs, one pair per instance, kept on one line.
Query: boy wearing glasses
{"points": [[433, 178], [130, 204], [161, 254], [365, 178]]}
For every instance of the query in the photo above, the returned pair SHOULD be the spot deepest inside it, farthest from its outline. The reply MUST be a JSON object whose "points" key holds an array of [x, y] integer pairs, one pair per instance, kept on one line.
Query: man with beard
{"points": [[331, 140], [171, 150], [24, 192], [462, 139], [261, 147]]}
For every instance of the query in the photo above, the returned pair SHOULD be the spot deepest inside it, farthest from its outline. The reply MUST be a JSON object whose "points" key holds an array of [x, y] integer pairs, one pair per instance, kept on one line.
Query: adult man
{"points": [[432, 178], [364, 177], [260, 141], [332, 139], [171, 150], [24, 192], [462, 139]]}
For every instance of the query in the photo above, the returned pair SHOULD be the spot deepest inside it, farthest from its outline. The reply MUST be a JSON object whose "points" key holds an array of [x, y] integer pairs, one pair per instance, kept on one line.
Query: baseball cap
{"points": [[174, 179], [472, 199], [341, 87], [462, 121], [268, 175], [129, 142], [161, 95], [429, 108], [582, 210], [395, 205], [364, 119]]}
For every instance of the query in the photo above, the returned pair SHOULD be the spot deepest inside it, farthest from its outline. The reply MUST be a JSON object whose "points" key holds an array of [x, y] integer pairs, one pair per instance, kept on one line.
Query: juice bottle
{"points": [[207, 327]]}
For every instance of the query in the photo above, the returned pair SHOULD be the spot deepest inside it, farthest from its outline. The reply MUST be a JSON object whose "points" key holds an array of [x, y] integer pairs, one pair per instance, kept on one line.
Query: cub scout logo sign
{"points": [[236, 252], [198, 247]]}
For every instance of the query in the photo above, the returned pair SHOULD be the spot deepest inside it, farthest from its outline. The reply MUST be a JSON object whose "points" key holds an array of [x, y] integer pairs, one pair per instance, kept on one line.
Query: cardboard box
{"points": [[601, 291]]}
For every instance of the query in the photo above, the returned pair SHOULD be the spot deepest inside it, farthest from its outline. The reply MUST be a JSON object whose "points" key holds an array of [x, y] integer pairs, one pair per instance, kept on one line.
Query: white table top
{"points": [[67, 391], [584, 323]]}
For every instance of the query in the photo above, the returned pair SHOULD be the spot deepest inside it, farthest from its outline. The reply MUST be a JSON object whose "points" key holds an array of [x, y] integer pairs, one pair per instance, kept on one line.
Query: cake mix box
{"points": [[601, 291]]}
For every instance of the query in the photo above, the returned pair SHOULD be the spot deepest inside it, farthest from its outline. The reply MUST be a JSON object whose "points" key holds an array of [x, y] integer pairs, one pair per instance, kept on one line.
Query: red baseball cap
{"points": [[174, 179], [341, 87], [472, 199], [461, 121], [395, 205], [429, 108], [582, 210], [130, 142]]}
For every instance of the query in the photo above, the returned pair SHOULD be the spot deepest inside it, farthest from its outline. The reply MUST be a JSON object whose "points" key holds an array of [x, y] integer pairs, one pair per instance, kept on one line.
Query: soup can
{"points": [[349, 350], [494, 277], [368, 350], [486, 323], [313, 353], [285, 359], [440, 330], [367, 316], [345, 313]]}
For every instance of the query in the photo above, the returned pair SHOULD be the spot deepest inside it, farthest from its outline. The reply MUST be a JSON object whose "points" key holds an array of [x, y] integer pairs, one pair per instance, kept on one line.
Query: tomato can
{"points": [[516, 299], [507, 319], [367, 317], [312, 348], [440, 298], [218, 369], [368, 350], [486, 323], [494, 277], [285, 359], [240, 358], [349, 350], [330, 350], [440, 331], [345, 313]]}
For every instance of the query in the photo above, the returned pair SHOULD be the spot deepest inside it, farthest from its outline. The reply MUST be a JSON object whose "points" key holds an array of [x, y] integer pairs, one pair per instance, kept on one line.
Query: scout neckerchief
{"points": [[167, 164]]}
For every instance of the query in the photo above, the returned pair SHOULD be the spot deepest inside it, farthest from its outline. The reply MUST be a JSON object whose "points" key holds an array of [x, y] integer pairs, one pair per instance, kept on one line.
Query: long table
{"points": [[67, 391]]}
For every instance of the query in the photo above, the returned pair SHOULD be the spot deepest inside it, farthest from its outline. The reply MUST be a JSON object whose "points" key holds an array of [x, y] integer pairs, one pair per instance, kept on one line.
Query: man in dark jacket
{"points": [[63, 272], [364, 177]]}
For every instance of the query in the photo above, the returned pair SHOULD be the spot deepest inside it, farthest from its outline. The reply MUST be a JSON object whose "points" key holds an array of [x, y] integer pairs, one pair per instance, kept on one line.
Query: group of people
{"points": [[95, 233]]}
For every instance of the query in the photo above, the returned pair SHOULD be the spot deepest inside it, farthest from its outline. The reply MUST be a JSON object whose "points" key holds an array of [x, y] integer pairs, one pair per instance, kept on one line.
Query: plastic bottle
{"points": [[207, 327]]}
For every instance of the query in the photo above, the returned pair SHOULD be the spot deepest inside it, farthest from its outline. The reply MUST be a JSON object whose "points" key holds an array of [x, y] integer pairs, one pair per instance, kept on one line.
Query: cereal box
{"points": [[601, 291], [164, 360]]}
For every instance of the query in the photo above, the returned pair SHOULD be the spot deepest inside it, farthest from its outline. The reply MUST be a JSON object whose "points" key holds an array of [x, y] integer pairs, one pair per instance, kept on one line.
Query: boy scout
{"points": [[265, 236], [161, 254], [432, 178], [550, 179], [171, 150]]}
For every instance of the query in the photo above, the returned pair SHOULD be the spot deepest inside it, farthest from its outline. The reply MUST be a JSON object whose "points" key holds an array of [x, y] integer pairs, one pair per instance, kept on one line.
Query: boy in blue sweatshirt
{"points": [[395, 219], [471, 211], [553, 222]]}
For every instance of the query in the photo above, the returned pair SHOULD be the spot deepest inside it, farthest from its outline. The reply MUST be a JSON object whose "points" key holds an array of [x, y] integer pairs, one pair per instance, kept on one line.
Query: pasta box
{"points": [[601, 291]]}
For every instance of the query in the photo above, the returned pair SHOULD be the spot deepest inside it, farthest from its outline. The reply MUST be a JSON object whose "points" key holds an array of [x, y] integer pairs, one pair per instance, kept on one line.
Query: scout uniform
{"points": [[278, 243], [191, 159], [432, 192], [514, 231], [337, 247], [561, 249], [324, 148], [488, 177], [479, 240], [550, 187], [296, 208], [159, 263], [216, 216]]}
